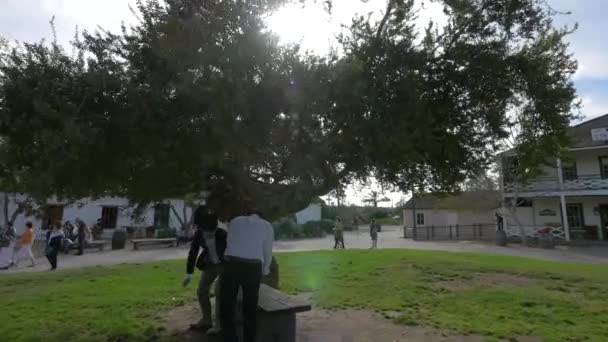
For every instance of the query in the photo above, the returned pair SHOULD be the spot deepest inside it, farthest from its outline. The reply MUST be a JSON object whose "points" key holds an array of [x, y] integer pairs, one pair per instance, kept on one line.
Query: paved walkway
{"points": [[389, 238]]}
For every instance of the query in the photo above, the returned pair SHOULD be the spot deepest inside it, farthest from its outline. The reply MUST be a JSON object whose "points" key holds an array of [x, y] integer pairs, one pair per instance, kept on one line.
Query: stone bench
{"points": [[149, 242], [98, 244], [277, 315]]}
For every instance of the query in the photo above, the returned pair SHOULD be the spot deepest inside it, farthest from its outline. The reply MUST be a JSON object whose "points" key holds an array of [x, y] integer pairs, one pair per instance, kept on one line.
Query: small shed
{"points": [[443, 210]]}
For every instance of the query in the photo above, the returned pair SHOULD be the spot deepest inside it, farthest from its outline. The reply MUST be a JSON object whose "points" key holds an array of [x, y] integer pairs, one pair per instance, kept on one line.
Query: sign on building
{"points": [[547, 212], [599, 134]]}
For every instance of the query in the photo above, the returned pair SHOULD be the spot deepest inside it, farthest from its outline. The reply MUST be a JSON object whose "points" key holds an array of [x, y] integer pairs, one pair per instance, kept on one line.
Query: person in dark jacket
{"points": [[212, 241], [53, 245], [81, 236], [374, 228]]}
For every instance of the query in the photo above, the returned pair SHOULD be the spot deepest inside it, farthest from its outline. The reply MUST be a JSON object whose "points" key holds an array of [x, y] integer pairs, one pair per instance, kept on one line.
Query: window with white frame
{"points": [[604, 167], [569, 171], [420, 219], [574, 213]]}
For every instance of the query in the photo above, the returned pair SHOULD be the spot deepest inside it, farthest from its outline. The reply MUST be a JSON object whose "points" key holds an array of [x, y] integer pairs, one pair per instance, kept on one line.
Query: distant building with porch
{"points": [[571, 195], [469, 215]]}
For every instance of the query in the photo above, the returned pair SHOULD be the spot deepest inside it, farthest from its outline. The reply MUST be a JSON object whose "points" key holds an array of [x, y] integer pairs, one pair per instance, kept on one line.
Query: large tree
{"points": [[374, 197], [199, 97]]}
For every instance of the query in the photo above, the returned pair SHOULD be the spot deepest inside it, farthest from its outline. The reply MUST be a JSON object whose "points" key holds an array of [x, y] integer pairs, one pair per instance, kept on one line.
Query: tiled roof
{"points": [[481, 199], [581, 133]]}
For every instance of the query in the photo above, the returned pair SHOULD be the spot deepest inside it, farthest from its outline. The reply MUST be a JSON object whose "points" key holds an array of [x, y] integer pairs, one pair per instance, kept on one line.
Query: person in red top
{"points": [[27, 240]]}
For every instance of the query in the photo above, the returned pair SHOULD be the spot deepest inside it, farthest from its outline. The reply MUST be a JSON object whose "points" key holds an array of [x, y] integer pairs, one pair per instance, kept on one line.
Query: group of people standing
{"points": [[63, 238], [374, 228], [237, 258], [58, 238], [77, 235], [13, 249]]}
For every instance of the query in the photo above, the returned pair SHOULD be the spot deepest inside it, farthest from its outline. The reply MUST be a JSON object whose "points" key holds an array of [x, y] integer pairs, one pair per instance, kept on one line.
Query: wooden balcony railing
{"points": [[582, 182]]}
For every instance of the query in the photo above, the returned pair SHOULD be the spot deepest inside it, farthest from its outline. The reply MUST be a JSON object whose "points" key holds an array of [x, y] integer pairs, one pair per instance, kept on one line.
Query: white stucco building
{"points": [[310, 213], [466, 215], [114, 213]]}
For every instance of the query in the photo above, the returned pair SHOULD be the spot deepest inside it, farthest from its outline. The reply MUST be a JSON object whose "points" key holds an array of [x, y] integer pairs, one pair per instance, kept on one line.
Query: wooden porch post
{"points": [[414, 224], [562, 200]]}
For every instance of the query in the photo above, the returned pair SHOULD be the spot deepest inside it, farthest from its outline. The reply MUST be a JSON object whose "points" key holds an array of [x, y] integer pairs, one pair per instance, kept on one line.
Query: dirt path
{"points": [[389, 238], [330, 326], [364, 326]]}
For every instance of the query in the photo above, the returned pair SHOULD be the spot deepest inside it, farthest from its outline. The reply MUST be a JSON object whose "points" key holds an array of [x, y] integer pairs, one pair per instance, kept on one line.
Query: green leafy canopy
{"points": [[199, 97]]}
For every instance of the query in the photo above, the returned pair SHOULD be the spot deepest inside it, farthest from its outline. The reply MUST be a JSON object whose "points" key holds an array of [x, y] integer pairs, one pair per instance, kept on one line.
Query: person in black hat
{"points": [[212, 241]]}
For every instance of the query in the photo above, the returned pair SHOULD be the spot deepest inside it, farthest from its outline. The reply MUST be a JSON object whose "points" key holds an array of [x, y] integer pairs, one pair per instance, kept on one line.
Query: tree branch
{"points": [[180, 219], [389, 10]]}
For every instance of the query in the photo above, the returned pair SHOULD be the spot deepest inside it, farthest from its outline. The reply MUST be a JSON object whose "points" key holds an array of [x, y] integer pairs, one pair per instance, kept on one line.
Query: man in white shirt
{"points": [[248, 256]]}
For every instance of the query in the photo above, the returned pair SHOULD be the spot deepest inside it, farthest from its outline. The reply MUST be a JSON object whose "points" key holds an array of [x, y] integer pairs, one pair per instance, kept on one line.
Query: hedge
{"points": [[287, 229]]}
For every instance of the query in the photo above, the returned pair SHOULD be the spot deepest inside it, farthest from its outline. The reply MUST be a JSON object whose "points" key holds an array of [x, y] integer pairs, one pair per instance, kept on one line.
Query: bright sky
{"points": [[28, 20]]}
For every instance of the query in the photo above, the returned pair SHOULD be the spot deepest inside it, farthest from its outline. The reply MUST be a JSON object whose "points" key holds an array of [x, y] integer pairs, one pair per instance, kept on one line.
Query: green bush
{"points": [[313, 229], [389, 221], [326, 226], [380, 214], [361, 214], [287, 229]]}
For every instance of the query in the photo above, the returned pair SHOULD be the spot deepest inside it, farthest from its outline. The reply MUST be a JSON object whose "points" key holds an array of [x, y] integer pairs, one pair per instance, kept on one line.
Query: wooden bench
{"points": [[170, 242], [277, 315], [99, 244]]}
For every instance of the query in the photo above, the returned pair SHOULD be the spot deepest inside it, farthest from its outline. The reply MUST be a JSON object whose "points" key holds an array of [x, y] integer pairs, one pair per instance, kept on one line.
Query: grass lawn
{"points": [[493, 296]]}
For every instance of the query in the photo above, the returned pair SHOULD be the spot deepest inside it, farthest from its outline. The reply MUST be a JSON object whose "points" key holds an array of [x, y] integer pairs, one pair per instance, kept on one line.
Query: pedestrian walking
{"points": [[27, 241], [7, 247], [53, 245], [374, 228], [80, 236], [339, 233]]}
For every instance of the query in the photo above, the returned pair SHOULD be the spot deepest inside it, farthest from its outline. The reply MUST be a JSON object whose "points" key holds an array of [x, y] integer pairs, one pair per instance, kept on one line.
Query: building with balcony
{"points": [[571, 196]]}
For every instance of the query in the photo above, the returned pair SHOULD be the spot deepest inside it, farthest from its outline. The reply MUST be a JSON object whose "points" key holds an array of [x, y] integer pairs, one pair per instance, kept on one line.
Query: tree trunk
{"points": [[512, 207], [14, 216], [5, 207], [19, 208], [181, 220], [184, 220]]}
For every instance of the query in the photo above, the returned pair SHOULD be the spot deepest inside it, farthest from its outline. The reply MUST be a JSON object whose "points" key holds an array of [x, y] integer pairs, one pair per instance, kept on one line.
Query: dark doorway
{"points": [[53, 213], [109, 216], [161, 215]]}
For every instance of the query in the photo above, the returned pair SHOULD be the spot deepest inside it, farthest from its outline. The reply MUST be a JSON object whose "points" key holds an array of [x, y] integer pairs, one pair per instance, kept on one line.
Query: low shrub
{"points": [[326, 226], [380, 214], [166, 233], [313, 229], [389, 221], [286, 229]]}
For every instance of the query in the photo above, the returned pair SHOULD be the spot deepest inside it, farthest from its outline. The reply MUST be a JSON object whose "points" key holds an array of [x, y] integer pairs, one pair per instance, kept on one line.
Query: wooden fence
{"points": [[486, 232]]}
